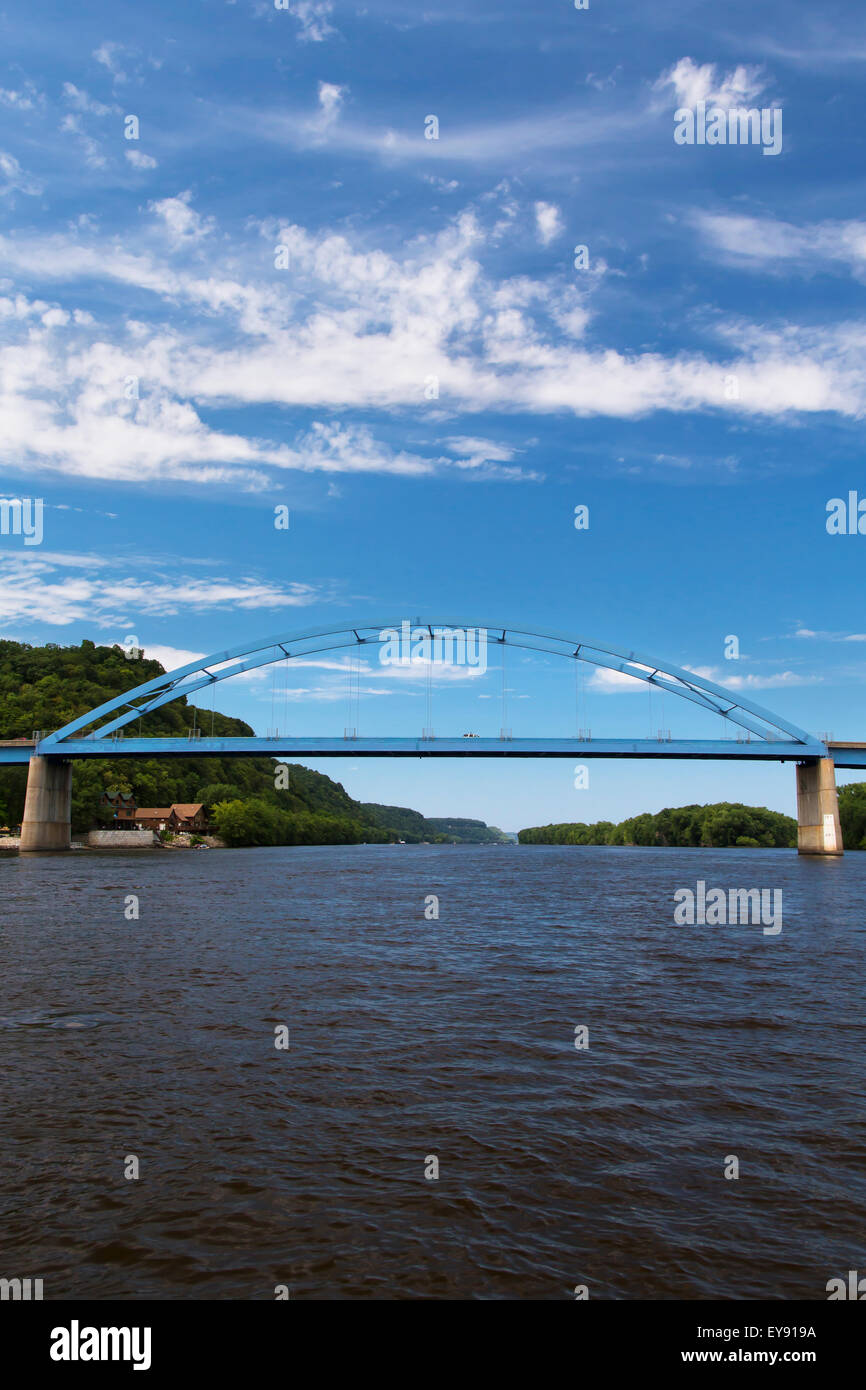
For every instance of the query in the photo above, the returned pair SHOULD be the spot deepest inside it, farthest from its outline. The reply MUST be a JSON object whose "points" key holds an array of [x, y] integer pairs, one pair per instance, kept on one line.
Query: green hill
{"points": [[715, 826], [45, 687], [467, 832], [414, 827]]}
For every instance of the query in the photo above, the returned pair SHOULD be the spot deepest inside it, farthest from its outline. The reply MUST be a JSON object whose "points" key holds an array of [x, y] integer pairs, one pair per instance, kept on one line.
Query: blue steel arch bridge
{"points": [[103, 732]]}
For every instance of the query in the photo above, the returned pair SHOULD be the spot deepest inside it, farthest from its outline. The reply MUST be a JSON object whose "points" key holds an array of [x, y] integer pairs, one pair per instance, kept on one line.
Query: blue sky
{"points": [[430, 384]]}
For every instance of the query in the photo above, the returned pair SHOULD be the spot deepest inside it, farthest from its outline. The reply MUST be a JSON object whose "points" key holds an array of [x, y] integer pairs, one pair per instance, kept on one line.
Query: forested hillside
{"points": [[715, 826], [414, 827], [45, 687]]}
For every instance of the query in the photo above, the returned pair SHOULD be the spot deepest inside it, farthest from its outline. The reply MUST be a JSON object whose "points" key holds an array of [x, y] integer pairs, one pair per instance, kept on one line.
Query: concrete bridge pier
{"points": [[48, 805], [818, 828]]}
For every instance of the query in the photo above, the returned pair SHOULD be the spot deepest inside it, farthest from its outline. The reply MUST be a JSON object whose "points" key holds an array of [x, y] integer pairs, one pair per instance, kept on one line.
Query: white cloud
{"points": [[67, 412], [24, 100], [108, 54], [386, 678], [609, 682], [485, 458], [349, 327], [82, 102], [415, 670], [312, 15], [693, 82], [554, 134], [748, 682], [333, 688], [172, 658], [55, 589], [336, 448], [606, 681], [830, 636], [93, 156], [441, 185], [331, 99], [315, 694], [16, 180], [767, 244], [601, 84], [548, 222], [139, 160], [56, 417], [183, 224]]}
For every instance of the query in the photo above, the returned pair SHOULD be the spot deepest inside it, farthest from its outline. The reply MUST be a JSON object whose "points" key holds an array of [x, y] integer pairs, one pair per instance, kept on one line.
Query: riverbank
{"points": [[129, 839]]}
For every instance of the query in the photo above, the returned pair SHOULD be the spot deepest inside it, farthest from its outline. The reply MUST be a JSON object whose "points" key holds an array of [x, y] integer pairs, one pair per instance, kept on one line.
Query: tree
{"points": [[852, 815], [715, 826]]}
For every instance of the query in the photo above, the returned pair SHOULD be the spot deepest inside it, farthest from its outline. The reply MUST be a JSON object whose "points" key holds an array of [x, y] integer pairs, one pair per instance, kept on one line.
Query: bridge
{"points": [[100, 732]]}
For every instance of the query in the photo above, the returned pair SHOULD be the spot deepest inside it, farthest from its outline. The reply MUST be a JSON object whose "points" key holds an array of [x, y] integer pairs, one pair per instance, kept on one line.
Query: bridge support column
{"points": [[48, 805], [818, 828]]}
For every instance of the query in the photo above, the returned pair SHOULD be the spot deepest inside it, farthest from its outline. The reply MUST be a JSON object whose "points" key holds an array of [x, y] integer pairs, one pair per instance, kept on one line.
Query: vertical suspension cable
{"points": [[504, 700], [273, 693], [357, 725], [353, 725], [582, 697]]}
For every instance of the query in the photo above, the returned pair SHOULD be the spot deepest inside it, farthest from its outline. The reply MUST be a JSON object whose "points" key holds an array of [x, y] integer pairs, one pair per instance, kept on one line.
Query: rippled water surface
{"points": [[410, 1038]]}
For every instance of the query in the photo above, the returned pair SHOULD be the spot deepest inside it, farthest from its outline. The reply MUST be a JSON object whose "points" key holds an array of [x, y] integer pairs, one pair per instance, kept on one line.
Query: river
{"points": [[413, 1038]]}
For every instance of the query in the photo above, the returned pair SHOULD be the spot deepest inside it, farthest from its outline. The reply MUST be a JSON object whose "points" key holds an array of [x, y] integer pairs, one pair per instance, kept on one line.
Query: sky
{"points": [[431, 279]]}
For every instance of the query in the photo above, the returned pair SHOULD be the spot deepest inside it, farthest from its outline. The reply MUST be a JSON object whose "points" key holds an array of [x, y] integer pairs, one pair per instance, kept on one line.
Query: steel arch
{"points": [[186, 680]]}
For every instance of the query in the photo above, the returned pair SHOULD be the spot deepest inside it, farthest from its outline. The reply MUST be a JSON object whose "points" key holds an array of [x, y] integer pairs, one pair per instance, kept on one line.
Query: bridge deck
{"points": [[287, 746]]}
